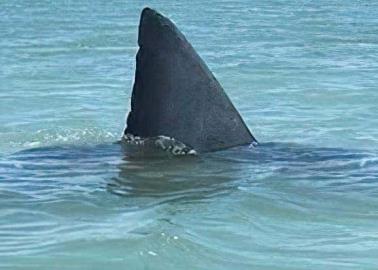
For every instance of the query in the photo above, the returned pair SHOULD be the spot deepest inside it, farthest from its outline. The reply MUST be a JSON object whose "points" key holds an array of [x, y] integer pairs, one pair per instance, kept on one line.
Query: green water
{"points": [[303, 74]]}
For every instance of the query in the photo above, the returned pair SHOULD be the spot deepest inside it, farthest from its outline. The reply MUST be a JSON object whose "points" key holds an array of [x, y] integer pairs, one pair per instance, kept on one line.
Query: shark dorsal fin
{"points": [[176, 95]]}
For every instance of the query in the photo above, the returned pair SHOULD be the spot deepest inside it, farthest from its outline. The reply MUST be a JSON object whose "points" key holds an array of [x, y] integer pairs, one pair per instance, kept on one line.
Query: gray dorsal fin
{"points": [[176, 95]]}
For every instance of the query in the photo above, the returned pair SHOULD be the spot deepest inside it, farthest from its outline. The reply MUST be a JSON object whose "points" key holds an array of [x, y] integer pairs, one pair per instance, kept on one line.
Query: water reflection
{"points": [[192, 178], [169, 178], [196, 179]]}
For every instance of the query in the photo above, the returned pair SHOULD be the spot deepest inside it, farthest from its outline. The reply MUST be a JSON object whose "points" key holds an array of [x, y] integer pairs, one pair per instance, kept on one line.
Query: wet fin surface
{"points": [[176, 95]]}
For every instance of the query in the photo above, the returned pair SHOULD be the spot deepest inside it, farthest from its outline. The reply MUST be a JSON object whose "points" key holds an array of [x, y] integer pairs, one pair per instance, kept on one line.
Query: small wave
{"points": [[13, 142]]}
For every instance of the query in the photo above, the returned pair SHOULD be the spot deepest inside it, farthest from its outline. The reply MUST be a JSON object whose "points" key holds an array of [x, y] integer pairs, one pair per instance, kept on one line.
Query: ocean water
{"points": [[304, 76]]}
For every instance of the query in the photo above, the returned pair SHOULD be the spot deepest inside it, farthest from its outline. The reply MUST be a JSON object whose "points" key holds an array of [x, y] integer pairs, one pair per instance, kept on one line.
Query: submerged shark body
{"points": [[175, 95]]}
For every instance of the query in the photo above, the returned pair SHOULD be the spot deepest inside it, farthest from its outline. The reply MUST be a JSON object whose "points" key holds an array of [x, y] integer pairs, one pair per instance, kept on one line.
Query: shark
{"points": [[176, 99]]}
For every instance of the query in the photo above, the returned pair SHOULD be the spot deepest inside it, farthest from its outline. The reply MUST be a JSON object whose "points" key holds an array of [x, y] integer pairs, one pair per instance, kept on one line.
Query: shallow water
{"points": [[302, 73]]}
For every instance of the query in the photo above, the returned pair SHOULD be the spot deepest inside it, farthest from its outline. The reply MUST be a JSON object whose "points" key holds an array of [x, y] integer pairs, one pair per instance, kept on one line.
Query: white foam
{"points": [[168, 144]]}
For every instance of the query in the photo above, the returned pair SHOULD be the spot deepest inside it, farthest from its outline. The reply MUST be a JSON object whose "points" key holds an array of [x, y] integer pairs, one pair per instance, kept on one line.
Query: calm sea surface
{"points": [[303, 74]]}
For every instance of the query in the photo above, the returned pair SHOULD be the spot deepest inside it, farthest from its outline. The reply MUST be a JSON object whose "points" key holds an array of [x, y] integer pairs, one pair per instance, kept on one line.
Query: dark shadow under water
{"points": [[195, 178]]}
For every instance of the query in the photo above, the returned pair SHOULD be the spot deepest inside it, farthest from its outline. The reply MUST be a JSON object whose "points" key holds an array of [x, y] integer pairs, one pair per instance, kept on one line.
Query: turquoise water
{"points": [[304, 76]]}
